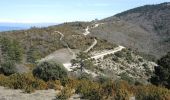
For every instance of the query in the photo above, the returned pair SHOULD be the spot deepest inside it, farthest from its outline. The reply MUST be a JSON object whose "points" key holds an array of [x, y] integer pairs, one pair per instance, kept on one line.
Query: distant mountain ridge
{"points": [[8, 28], [21, 26]]}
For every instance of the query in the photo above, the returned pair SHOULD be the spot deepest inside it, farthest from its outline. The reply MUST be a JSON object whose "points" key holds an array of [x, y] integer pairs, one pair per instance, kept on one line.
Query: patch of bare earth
{"points": [[10, 94]]}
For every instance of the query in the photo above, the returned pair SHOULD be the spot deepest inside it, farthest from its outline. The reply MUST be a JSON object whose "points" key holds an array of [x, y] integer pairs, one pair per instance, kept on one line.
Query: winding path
{"points": [[52, 55], [61, 39], [94, 43], [62, 36], [97, 25], [97, 56], [88, 32], [87, 29], [68, 65]]}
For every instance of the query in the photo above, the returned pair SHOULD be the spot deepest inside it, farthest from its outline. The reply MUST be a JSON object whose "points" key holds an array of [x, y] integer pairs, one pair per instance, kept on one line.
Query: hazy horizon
{"points": [[38, 11]]}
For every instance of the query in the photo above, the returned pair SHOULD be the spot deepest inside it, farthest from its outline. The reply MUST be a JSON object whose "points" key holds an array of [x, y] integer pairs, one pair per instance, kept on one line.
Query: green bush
{"points": [[119, 54], [162, 72], [102, 79], [87, 64], [140, 59], [8, 68], [85, 76], [126, 77], [50, 71]]}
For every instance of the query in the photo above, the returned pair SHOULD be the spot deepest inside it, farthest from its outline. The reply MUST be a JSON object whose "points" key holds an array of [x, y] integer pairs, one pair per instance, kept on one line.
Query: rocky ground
{"points": [[125, 64]]}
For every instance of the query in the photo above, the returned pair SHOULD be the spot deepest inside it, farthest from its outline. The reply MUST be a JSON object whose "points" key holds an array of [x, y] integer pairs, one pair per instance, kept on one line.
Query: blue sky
{"points": [[57, 11]]}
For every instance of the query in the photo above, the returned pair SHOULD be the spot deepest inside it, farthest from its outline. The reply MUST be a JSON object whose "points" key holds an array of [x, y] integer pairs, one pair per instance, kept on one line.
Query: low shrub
{"points": [[54, 84], [108, 90], [151, 92], [122, 90], [22, 81], [65, 93], [50, 71], [103, 79], [88, 89], [119, 54], [72, 83], [126, 77], [8, 68]]}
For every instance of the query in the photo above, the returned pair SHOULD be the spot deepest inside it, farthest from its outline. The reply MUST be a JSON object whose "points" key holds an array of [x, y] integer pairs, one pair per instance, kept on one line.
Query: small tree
{"points": [[18, 51], [50, 71], [32, 55], [162, 72], [11, 50], [81, 57]]}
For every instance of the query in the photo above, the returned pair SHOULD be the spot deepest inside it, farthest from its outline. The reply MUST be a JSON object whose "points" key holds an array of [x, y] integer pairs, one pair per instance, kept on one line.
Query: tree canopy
{"points": [[162, 72], [50, 71]]}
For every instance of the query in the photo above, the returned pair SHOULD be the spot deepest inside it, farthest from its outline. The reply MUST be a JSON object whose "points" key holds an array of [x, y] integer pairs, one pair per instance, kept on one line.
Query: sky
{"points": [[58, 11]]}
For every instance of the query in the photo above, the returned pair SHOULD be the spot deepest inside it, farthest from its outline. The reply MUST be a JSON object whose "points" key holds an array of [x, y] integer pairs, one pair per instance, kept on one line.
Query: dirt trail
{"points": [[68, 65], [97, 25], [88, 32], [87, 29], [101, 55], [61, 39], [54, 54], [96, 56], [94, 44]]}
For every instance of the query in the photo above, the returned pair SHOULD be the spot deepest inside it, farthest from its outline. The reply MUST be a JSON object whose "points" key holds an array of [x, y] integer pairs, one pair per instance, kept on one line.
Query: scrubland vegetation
{"points": [[24, 47], [88, 89], [49, 75]]}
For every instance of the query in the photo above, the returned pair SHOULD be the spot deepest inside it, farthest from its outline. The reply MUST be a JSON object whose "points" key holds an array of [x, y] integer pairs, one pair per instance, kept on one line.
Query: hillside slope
{"points": [[156, 20], [145, 28], [53, 42]]}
